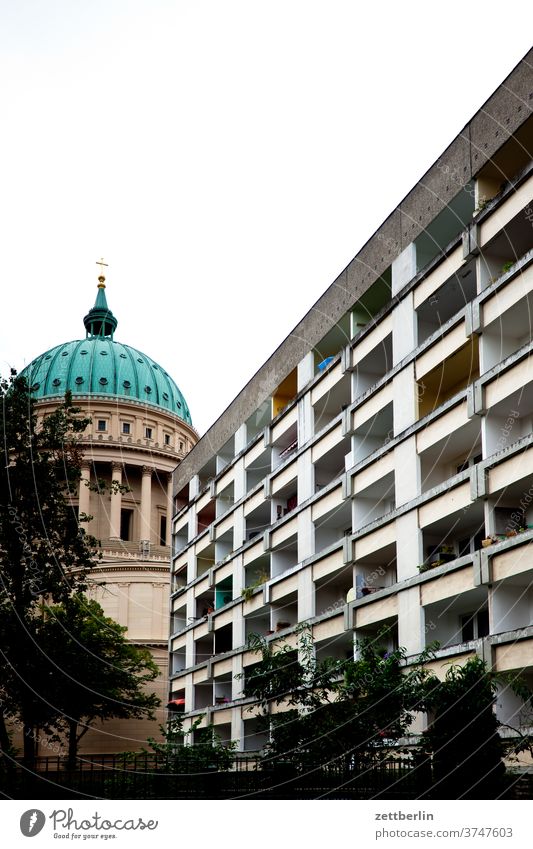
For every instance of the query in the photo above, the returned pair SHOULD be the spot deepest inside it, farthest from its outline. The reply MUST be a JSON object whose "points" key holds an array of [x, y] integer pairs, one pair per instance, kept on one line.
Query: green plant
{"points": [[507, 267], [348, 711], [432, 564], [247, 592], [181, 756], [88, 669]]}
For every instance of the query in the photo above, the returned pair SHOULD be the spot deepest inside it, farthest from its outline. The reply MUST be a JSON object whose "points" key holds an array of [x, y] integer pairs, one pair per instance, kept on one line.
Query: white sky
{"points": [[227, 159]]}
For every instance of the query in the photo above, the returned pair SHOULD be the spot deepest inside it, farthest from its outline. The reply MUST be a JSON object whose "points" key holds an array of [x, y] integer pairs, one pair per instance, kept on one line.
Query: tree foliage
{"points": [[44, 553], [463, 733], [337, 711], [355, 712], [88, 670], [46, 556]]}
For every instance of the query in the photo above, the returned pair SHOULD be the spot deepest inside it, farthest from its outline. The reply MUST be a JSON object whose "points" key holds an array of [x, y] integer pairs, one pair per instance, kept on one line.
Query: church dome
{"points": [[100, 367]]}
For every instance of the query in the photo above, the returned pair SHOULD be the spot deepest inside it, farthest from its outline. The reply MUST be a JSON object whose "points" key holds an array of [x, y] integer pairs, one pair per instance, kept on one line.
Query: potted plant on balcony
{"points": [[489, 541]]}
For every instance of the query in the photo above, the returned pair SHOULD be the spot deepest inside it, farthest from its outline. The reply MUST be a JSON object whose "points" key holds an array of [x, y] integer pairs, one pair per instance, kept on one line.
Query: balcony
{"points": [[135, 550]]}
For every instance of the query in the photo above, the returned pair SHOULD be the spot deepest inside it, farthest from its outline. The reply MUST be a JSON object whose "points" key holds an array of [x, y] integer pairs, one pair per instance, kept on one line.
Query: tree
{"points": [[345, 711], [89, 671], [44, 553], [463, 734], [348, 712]]}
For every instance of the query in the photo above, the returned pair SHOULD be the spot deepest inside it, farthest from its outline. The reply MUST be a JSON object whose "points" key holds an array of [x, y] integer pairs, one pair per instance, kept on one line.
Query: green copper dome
{"points": [[99, 366]]}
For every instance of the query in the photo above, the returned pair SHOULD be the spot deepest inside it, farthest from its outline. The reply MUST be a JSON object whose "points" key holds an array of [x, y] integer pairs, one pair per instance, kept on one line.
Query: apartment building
{"points": [[378, 469]]}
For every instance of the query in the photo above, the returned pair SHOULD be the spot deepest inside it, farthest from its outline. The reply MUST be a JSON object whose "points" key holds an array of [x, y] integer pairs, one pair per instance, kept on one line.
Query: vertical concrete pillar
{"points": [[189, 691], [194, 486], [238, 527], [240, 480], [116, 502], [405, 399], [409, 546], [241, 439], [306, 477], [404, 329], [305, 420], [306, 370], [406, 471], [190, 660], [192, 523], [191, 567], [410, 621], [236, 691], [306, 595], [238, 582], [146, 503], [306, 535], [404, 323], [403, 269]]}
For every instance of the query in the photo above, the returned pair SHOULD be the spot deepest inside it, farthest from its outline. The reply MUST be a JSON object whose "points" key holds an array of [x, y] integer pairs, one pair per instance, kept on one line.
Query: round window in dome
{"points": [[64, 354], [123, 356], [103, 353], [165, 396], [35, 387], [79, 380], [126, 384], [56, 381], [139, 360], [83, 353], [178, 404], [147, 389], [48, 357], [103, 381]]}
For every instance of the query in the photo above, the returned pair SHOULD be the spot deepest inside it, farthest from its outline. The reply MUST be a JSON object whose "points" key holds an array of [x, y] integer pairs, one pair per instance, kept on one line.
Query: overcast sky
{"points": [[227, 159]]}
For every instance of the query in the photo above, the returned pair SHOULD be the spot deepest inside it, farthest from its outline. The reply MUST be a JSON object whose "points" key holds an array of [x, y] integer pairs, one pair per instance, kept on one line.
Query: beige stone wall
{"points": [[136, 597], [118, 735]]}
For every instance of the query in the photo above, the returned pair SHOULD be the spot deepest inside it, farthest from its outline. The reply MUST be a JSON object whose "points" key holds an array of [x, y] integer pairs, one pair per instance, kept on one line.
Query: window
{"points": [[148, 432], [163, 530], [167, 439], [474, 626], [126, 427], [181, 446], [102, 425], [126, 517]]}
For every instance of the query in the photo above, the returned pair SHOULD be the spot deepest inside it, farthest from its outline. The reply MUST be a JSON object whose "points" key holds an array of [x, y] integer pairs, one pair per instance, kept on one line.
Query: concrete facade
{"points": [[381, 472]]}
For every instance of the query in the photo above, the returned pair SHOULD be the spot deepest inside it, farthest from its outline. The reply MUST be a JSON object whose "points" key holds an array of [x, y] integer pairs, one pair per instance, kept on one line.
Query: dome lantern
{"points": [[99, 366], [100, 321]]}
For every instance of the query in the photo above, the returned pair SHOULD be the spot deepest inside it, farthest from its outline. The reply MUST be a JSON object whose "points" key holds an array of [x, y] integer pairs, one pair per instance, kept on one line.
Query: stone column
{"points": [[85, 492], [170, 510], [116, 502], [146, 503]]}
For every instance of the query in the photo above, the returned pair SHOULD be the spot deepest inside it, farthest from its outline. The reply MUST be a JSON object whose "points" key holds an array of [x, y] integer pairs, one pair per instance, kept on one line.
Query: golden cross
{"points": [[101, 264]]}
